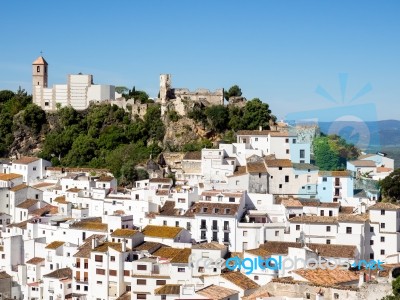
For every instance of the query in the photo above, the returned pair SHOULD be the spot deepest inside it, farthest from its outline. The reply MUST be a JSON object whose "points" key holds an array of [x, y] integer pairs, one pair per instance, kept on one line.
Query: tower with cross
{"points": [[39, 77]]}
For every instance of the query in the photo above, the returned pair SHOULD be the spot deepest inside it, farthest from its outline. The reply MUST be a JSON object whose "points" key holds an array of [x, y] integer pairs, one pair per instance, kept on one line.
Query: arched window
{"points": [[38, 69]]}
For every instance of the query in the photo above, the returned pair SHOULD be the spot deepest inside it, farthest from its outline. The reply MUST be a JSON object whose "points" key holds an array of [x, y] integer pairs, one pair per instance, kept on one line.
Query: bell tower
{"points": [[39, 77]]}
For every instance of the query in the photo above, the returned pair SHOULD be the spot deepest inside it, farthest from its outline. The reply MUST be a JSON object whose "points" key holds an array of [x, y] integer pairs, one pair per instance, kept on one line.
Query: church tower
{"points": [[39, 78]]}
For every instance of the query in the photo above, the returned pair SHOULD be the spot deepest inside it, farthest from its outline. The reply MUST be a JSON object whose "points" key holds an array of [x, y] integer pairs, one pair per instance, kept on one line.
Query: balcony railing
{"points": [[203, 227], [226, 241], [227, 229], [214, 228]]}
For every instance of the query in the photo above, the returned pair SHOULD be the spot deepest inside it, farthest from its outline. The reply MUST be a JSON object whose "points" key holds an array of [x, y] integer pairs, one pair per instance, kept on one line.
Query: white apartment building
{"points": [[78, 92]]}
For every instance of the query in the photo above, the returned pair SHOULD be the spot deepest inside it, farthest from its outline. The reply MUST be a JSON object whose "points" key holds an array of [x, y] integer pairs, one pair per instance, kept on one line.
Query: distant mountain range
{"points": [[367, 135], [370, 137]]}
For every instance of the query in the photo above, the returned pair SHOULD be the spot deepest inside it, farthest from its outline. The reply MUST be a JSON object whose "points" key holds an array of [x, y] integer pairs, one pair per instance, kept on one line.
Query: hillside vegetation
{"points": [[106, 136]]}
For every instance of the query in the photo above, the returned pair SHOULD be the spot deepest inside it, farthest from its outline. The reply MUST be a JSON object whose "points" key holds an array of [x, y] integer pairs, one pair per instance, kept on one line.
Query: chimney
{"points": [[123, 246], [260, 128], [95, 242], [361, 279]]}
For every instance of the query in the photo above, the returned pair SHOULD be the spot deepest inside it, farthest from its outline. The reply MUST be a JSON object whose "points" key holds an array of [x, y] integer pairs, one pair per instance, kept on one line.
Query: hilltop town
{"points": [[72, 232]]}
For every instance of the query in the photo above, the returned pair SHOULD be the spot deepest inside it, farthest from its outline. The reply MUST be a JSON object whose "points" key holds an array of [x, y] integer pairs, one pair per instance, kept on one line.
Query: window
{"points": [[371, 229], [255, 277], [100, 271], [161, 282], [78, 287], [280, 169], [286, 140], [201, 270], [348, 230], [328, 242], [141, 296], [382, 239], [85, 288], [112, 272], [227, 211], [308, 296], [324, 179], [371, 256], [164, 297], [126, 272], [220, 198], [181, 200], [382, 212], [256, 139], [142, 267], [297, 227], [330, 213], [287, 178], [38, 69], [165, 223], [371, 242], [98, 258], [280, 186], [276, 232], [69, 285], [205, 209], [141, 282], [112, 258], [382, 225], [303, 154], [328, 228], [294, 141], [287, 151], [244, 233], [335, 296], [231, 199], [176, 223], [322, 213], [382, 252]]}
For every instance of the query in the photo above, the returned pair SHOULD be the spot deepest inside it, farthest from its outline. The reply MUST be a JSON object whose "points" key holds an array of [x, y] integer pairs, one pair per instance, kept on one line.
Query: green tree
{"points": [[83, 150], [325, 157], [234, 91], [390, 186], [34, 117], [153, 123], [6, 95], [217, 116], [256, 114]]}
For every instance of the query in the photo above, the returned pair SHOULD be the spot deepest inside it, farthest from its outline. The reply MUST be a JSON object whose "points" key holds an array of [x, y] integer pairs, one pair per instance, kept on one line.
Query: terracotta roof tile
{"points": [[35, 260], [104, 247], [127, 233], [212, 208], [335, 173], [27, 203], [25, 160], [161, 231], [60, 274], [11, 176], [325, 250], [384, 205], [40, 61], [313, 219], [55, 245], [92, 224], [18, 187], [328, 277], [74, 190], [194, 155], [175, 255], [61, 200], [48, 209], [363, 163], [215, 292], [256, 167], [168, 289], [240, 280], [43, 184], [160, 180], [275, 163], [291, 203], [209, 246], [151, 247]]}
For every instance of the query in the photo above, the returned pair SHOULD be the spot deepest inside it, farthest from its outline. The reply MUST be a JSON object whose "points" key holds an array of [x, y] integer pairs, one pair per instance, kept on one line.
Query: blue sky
{"points": [[279, 51]]}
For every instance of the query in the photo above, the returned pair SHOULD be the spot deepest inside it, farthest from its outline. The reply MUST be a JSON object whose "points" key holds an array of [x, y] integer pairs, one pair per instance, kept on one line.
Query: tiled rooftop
{"points": [[241, 280], [161, 231], [124, 233], [55, 245], [11, 176], [168, 289], [216, 292], [25, 160], [27, 203], [327, 276]]}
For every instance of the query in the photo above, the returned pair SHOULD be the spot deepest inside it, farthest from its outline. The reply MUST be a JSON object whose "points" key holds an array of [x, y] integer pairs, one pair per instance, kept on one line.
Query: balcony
{"points": [[226, 241], [338, 185], [227, 229], [204, 227], [215, 240], [214, 228]]}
